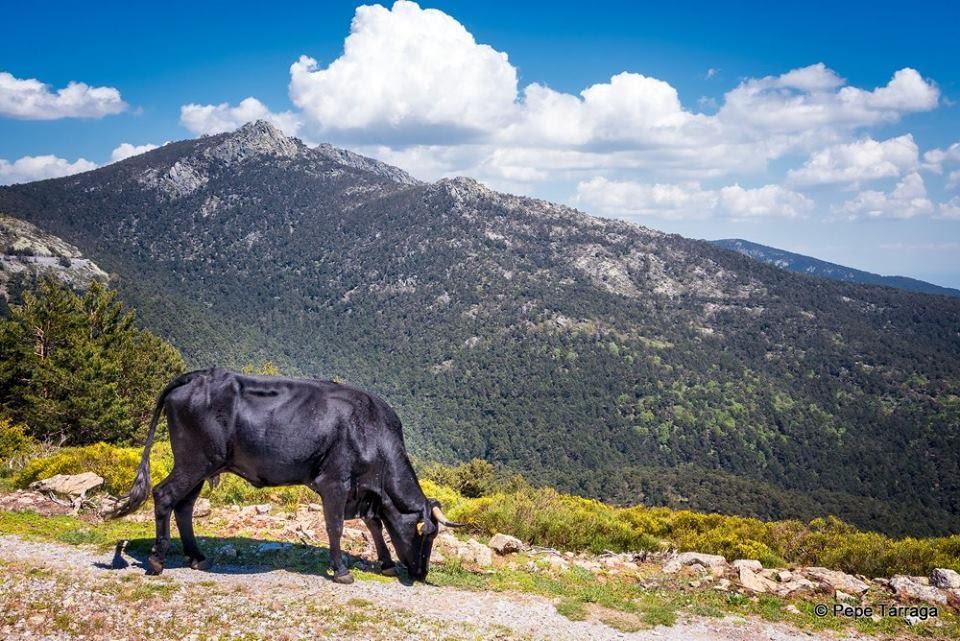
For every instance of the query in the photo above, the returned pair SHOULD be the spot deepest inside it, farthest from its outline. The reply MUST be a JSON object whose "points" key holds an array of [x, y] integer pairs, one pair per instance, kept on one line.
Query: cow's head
{"points": [[414, 543]]}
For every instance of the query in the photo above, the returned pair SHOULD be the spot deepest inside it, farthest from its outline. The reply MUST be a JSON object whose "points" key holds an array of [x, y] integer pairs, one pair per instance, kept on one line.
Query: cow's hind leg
{"points": [[166, 495], [183, 511], [334, 499], [387, 566]]}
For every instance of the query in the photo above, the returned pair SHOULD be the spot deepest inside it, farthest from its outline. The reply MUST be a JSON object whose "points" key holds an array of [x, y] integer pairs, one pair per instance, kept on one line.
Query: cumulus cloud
{"points": [[950, 209], [125, 150], [907, 200], [217, 119], [816, 96], [30, 168], [407, 71], [935, 159], [863, 160], [631, 199], [30, 99]]}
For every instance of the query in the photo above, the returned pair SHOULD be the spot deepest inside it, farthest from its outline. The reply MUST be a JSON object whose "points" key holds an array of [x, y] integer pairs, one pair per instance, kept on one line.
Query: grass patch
{"points": [[572, 609]]}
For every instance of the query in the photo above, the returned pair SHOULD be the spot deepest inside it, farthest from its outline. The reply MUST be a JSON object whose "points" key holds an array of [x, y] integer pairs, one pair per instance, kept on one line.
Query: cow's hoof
{"points": [[201, 564], [154, 565], [343, 579], [389, 570]]}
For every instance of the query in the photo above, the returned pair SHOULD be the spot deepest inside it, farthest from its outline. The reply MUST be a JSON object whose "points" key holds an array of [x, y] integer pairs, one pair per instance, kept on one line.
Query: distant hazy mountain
{"points": [[815, 267], [595, 355]]}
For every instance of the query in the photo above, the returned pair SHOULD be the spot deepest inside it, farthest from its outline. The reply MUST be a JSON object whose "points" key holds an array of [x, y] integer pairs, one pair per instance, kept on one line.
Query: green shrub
{"points": [[117, 465], [15, 445]]}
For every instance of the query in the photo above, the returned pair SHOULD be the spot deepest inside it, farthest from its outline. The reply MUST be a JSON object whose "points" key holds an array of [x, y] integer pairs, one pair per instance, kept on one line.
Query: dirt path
{"points": [[54, 591]]}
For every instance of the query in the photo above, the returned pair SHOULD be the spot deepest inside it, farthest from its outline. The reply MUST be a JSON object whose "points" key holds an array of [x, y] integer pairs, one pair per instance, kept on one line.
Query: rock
{"points": [[945, 578], [263, 508], [476, 553], [795, 584], [696, 568], [689, 558], [354, 534], [784, 576], [202, 508], [228, 551], [792, 609], [315, 507], [723, 585], [265, 548], [840, 595], [834, 580], [505, 544], [754, 582], [68, 484], [750, 564], [907, 589], [556, 563]]}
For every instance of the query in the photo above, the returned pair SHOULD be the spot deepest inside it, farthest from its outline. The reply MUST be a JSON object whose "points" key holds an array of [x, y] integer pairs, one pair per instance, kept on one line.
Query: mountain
{"points": [[814, 267], [595, 355], [27, 252]]}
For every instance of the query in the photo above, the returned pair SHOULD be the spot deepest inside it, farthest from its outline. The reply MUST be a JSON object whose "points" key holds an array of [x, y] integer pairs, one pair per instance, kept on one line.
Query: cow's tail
{"points": [[141, 483]]}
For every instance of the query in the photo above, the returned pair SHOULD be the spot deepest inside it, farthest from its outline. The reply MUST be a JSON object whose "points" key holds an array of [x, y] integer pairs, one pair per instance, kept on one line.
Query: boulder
{"points": [[505, 544], [263, 508], [71, 485], [476, 553], [795, 584], [945, 578], [907, 589], [833, 580], [750, 564], [754, 582], [689, 558], [202, 508]]}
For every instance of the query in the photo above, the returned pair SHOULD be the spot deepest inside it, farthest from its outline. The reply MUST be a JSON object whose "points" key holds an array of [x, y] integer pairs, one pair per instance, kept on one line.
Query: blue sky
{"points": [[823, 128]]}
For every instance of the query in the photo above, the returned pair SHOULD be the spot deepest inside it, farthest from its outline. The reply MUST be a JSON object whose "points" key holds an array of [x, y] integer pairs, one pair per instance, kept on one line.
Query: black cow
{"points": [[343, 443]]}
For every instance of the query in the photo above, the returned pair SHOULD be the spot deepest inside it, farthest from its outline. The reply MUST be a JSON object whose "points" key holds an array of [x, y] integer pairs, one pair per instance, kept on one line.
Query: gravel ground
{"points": [[52, 591]]}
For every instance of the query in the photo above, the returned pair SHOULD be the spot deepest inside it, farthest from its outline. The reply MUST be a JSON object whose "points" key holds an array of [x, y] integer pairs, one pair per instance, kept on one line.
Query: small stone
{"points": [[723, 585], [792, 609], [840, 595], [202, 508], [263, 508], [265, 548], [228, 551], [315, 507], [505, 544], [784, 576]]}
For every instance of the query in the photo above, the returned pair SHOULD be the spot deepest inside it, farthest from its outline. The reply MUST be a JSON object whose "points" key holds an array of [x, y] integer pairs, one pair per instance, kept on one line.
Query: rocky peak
{"points": [[252, 140], [356, 161]]}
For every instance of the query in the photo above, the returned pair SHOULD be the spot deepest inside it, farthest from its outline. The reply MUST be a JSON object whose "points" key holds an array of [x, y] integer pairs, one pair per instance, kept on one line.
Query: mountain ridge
{"points": [[810, 266], [596, 355]]}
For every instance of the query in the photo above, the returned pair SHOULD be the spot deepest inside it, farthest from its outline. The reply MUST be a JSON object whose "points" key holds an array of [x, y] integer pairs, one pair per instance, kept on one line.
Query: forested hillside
{"points": [[595, 355]]}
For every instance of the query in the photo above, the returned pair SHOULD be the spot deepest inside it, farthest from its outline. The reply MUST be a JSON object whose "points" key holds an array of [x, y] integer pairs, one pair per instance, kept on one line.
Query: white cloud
{"points": [[30, 99], [217, 119], [407, 71], [125, 150], [865, 159], [814, 96], [631, 199], [953, 179], [711, 73], [907, 200], [30, 168], [950, 209], [935, 159]]}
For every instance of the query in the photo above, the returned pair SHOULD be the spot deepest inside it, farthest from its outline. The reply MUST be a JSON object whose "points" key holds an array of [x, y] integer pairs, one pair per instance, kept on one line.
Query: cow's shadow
{"points": [[244, 555]]}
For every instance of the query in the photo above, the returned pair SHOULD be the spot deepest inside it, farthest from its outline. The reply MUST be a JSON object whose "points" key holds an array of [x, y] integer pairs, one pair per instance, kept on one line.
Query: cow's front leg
{"points": [[387, 566], [334, 500]]}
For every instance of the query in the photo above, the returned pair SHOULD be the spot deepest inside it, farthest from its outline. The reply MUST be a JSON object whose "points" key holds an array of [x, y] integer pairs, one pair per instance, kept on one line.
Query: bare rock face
{"points": [[505, 544], [255, 139], [945, 578], [70, 485], [689, 558], [908, 589], [834, 580]]}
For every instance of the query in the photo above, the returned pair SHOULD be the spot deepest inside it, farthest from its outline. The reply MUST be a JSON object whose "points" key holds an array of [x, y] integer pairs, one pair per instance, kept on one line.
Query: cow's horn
{"points": [[438, 514]]}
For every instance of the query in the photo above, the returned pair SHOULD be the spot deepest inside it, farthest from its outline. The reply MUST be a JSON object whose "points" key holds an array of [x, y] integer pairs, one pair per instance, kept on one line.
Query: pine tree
{"points": [[76, 368]]}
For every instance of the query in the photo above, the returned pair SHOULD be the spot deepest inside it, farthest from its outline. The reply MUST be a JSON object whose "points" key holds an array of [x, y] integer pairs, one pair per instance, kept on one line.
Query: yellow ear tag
{"points": [[420, 528]]}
